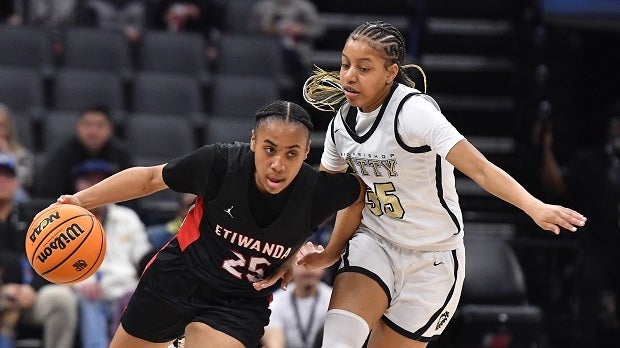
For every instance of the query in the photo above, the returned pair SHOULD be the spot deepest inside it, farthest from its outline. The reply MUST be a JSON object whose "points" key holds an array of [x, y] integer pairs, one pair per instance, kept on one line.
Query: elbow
{"points": [[154, 180]]}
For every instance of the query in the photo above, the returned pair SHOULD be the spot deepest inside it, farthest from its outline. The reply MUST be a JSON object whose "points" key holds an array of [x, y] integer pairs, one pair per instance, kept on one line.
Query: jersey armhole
{"points": [[399, 139]]}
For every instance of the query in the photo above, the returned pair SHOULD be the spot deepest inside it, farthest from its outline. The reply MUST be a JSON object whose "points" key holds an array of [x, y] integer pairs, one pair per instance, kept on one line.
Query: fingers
{"points": [[286, 278], [562, 217], [265, 283], [283, 274], [570, 219]]}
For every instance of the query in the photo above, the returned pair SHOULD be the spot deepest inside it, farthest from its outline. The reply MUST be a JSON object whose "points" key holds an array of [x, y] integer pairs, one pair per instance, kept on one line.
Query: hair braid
{"points": [[283, 110], [323, 89]]}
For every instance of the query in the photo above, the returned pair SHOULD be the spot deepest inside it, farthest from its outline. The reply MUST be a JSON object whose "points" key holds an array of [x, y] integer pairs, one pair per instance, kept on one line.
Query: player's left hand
{"points": [[553, 217], [284, 272]]}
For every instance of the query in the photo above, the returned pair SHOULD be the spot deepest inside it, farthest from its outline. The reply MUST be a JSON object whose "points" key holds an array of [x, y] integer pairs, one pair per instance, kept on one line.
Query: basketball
{"points": [[65, 244]]}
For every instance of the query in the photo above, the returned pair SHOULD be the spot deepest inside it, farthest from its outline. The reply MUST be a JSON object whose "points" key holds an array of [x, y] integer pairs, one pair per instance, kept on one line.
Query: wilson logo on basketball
{"points": [[43, 224], [71, 233], [80, 265]]}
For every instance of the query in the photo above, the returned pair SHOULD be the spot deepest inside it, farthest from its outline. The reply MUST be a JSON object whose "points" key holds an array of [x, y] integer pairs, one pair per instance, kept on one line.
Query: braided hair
{"points": [[323, 89], [283, 110]]}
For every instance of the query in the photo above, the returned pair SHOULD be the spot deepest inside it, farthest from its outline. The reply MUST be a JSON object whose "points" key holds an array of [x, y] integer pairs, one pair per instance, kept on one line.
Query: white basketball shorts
{"points": [[423, 287]]}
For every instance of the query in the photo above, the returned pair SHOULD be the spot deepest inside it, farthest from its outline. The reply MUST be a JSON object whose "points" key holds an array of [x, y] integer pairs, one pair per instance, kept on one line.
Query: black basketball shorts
{"points": [[166, 300]]}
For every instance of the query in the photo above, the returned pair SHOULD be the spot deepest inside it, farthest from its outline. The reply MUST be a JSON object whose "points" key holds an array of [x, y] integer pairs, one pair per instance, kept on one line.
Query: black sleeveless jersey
{"points": [[221, 243]]}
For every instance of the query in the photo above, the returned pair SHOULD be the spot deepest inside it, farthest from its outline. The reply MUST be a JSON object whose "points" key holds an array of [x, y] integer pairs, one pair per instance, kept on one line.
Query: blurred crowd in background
{"points": [[87, 88]]}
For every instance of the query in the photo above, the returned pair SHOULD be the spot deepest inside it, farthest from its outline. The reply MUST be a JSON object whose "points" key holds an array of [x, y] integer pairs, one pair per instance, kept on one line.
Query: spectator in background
{"points": [[199, 16], [591, 182], [94, 139], [33, 300], [297, 24], [9, 13], [298, 313], [160, 234], [54, 16], [125, 16], [9, 144], [101, 295]]}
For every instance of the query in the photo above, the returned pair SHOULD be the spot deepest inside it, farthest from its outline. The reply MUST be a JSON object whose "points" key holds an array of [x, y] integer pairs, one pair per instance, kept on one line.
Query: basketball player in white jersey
{"points": [[402, 271]]}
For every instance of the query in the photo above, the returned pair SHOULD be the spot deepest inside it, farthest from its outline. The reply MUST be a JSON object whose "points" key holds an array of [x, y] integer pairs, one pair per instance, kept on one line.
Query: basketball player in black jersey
{"points": [[256, 205]]}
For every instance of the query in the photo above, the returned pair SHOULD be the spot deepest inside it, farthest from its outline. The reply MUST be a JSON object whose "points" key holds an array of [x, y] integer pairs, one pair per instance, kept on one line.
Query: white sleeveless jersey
{"points": [[400, 155]]}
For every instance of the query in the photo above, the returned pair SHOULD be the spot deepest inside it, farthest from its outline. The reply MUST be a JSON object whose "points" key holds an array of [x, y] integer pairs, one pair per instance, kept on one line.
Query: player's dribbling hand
{"points": [[68, 199], [284, 272], [312, 257]]}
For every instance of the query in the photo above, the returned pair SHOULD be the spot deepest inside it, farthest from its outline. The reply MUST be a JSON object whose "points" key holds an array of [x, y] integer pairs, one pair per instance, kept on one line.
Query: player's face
{"points": [[364, 76], [280, 149]]}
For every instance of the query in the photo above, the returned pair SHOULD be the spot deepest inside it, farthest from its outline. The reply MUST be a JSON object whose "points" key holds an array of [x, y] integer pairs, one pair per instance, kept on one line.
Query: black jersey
{"points": [[221, 243]]}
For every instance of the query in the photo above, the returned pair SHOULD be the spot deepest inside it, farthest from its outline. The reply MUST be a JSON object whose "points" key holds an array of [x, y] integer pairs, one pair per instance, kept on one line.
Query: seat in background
{"points": [[28, 47], [163, 51], [240, 96], [167, 93], [156, 139], [22, 89], [223, 129], [57, 126], [253, 55], [75, 89], [494, 298], [96, 49], [237, 14]]}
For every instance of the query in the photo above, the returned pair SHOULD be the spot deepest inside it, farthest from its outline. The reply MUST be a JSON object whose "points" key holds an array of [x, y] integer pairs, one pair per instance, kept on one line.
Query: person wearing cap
{"points": [[93, 139], [100, 295], [28, 298], [8, 167]]}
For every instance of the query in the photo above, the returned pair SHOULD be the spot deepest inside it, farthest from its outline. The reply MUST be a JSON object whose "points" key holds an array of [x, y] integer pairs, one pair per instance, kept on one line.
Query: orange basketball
{"points": [[65, 244]]}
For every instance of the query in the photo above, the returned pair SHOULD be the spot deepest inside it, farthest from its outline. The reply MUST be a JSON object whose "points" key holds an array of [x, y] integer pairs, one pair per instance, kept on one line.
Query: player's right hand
{"points": [[69, 199]]}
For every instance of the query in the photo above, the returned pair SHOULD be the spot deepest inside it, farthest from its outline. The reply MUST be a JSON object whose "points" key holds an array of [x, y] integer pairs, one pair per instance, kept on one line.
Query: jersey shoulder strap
{"points": [[399, 139]]}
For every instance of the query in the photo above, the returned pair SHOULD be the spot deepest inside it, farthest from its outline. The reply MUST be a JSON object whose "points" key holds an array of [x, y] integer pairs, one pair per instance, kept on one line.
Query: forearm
{"points": [[466, 158], [500, 184], [347, 222], [123, 186]]}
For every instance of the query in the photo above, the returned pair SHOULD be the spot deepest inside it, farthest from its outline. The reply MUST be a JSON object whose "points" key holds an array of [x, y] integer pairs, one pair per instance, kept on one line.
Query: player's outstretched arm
{"points": [[466, 158], [123, 186]]}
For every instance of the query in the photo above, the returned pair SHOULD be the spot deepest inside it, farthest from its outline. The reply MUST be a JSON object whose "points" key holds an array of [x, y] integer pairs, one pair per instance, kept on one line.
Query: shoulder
{"points": [[414, 100]]}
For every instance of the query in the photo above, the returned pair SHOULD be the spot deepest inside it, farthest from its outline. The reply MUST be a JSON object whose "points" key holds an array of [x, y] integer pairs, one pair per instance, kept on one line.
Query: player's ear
{"points": [[253, 141], [392, 71], [308, 148]]}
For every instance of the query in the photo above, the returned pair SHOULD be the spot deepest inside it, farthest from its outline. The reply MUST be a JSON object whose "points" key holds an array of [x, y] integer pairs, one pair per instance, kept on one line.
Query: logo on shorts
{"points": [[228, 211], [443, 318]]}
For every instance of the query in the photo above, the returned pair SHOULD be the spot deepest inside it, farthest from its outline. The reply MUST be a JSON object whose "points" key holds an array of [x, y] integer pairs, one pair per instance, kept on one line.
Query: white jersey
{"points": [[399, 151]]}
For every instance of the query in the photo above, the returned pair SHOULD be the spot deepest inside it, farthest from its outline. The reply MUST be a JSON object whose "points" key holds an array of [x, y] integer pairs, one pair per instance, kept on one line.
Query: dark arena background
{"points": [[527, 82]]}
